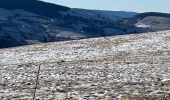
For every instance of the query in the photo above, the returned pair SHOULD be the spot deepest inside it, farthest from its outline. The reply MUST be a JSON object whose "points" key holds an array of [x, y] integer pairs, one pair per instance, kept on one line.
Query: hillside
{"points": [[34, 6], [20, 27], [25, 22], [128, 67], [153, 21]]}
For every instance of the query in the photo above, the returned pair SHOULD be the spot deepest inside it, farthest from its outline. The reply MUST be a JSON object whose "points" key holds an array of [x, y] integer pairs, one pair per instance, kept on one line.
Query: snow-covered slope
{"points": [[154, 23], [129, 66], [151, 20]]}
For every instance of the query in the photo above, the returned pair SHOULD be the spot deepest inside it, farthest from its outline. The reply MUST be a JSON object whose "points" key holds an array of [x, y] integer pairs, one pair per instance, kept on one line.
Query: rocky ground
{"points": [[129, 67]]}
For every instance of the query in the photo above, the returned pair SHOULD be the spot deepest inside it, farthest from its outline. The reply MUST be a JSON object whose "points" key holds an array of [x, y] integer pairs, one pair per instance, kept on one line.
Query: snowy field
{"points": [[129, 67]]}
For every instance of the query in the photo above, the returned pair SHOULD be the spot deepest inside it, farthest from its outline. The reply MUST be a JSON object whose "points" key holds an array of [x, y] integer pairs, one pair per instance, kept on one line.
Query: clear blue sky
{"points": [[118, 5]]}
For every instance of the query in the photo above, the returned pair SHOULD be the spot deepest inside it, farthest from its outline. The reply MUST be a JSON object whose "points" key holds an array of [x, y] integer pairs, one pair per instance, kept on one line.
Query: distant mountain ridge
{"points": [[159, 14], [24, 22], [111, 15]]}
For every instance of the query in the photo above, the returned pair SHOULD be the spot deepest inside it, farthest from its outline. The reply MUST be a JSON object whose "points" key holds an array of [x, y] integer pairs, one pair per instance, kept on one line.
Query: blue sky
{"points": [[117, 5]]}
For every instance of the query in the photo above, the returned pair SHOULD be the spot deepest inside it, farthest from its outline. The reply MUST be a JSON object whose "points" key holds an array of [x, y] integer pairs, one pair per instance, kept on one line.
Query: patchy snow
{"points": [[141, 25], [107, 67], [166, 77]]}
